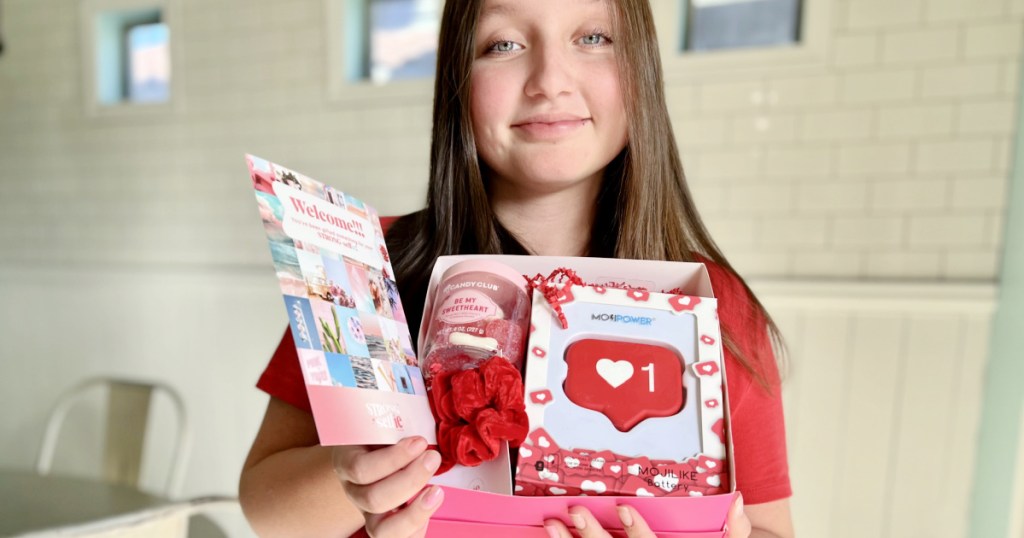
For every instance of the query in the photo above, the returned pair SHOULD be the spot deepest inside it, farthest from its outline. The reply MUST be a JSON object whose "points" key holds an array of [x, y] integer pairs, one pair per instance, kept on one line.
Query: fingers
{"points": [[587, 525], [557, 529], [737, 524], [634, 525], [410, 521], [397, 488], [359, 465]]}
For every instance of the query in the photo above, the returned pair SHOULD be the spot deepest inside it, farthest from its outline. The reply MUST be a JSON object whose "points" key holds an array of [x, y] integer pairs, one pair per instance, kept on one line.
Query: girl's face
{"points": [[546, 105]]}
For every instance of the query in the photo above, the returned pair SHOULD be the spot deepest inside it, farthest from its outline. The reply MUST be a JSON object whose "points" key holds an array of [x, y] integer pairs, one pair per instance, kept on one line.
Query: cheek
{"points": [[609, 94], [491, 108]]}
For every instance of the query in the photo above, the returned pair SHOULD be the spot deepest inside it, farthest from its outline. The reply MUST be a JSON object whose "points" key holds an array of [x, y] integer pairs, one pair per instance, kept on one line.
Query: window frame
{"points": [[89, 11], [339, 57], [685, 66]]}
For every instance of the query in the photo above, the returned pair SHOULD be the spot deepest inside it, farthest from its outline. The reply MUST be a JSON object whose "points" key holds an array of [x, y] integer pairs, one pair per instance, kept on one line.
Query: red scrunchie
{"points": [[476, 410]]}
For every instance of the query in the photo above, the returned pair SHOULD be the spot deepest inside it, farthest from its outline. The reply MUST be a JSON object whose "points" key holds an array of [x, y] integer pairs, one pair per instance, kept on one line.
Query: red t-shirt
{"points": [[758, 432]]}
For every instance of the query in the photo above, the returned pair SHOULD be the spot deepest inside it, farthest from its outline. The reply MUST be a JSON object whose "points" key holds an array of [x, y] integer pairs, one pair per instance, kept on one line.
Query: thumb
{"points": [[737, 524]]}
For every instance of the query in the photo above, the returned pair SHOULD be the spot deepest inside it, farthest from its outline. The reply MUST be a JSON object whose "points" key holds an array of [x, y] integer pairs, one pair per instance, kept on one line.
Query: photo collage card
{"points": [[343, 306]]}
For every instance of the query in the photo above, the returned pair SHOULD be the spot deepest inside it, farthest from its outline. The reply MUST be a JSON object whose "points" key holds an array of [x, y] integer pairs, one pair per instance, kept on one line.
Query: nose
{"points": [[550, 71]]}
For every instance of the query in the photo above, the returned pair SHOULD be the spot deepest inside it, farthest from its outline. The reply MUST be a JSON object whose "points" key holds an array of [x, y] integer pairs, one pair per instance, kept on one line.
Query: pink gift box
{"points": [[478, 501], [476, 513]]}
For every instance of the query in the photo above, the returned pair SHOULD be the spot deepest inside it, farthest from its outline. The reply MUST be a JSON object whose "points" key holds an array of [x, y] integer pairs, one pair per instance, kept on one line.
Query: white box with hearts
{"points": [[678, 490], [626, 398], [680, 449]]}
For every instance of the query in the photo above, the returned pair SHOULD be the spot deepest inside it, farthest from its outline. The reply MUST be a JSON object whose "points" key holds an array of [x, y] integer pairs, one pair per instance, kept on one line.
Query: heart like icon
{"points": [[639, 381], [614, 372]]}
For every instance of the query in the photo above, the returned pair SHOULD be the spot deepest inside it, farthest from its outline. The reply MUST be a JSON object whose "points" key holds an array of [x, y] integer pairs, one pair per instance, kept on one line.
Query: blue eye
{"points": [[595, 39], [504, 47]]}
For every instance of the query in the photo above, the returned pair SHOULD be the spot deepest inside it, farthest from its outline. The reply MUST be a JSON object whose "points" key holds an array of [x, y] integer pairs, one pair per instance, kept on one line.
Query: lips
{"points": [[550, 126], [555, 118]]}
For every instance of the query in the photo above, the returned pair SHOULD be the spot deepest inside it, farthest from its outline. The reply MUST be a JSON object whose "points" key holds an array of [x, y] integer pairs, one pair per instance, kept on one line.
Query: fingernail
{"points": [[625, 516], [417, 445], [578, 521], [431, 460], [432, 497], [552, 531]]}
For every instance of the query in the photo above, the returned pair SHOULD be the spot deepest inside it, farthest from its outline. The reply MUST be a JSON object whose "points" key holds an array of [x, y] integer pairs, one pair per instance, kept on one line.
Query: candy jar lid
{"points": [[486, 266]]}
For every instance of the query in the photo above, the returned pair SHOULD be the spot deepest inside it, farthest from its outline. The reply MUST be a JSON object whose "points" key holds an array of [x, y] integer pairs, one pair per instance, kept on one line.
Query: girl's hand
{"points": [[379, 481], [737, 525]]}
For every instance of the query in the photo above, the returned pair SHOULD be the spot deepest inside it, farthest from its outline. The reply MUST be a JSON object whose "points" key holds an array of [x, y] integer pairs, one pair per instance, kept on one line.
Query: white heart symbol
{"points": [[597, 463], [541, 397], [519, 488], [714, 481], [557, 491], [695, 493], [711, 464], [634, 469], [615, 372], [641, 492], [593, 485], [615, 468], [543, 441], [548, 475], [525, 452], [667, 483], [550, 458], [572, 463]]}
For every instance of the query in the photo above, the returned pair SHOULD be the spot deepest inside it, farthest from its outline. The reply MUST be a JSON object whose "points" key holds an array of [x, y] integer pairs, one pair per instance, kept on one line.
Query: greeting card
{"points": [[353, 342]]}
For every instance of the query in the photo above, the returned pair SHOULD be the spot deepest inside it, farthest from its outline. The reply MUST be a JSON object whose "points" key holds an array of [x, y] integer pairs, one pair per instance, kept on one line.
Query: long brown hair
{"points": [[644, 210]]}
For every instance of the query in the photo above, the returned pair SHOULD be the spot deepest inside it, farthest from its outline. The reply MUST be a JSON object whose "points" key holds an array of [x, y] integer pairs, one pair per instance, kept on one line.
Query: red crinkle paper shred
{"points": [[554, 291], [549, 288]]}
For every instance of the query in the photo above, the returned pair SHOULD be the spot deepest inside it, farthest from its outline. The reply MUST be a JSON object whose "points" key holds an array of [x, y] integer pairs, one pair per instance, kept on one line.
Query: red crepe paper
{"points": [[476, 410], [556, 296], [553, 294]]}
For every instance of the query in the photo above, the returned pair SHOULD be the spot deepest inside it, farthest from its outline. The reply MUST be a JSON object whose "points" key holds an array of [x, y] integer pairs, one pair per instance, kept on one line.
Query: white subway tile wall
{"points": [[906, 126]]}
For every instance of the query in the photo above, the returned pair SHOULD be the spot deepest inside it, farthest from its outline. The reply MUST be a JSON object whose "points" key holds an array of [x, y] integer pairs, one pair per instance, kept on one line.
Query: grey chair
{"points": [[127, 418]]}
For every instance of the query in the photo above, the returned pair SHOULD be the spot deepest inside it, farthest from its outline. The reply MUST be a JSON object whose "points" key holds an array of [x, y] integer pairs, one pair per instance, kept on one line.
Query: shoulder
{"points": [[735, 301], [744, 323]]}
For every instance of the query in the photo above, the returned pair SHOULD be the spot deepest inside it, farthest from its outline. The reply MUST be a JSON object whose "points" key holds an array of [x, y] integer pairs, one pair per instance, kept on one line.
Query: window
{"points": [[381, 49], [128, 55], [725, 37], [149, 63], [402, 40], [730, 24]]}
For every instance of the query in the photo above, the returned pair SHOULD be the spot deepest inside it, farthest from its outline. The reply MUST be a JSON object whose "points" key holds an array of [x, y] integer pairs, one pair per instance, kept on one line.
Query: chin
{"points": [[547, 181]]}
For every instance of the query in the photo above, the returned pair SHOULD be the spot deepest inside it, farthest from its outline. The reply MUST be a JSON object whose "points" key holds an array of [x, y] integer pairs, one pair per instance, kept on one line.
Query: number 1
{"points": [[650, 376]]}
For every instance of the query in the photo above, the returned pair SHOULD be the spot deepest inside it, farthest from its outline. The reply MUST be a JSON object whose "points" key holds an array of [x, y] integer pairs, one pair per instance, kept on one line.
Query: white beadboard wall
{"points": [[129, 243], [882, 395]]}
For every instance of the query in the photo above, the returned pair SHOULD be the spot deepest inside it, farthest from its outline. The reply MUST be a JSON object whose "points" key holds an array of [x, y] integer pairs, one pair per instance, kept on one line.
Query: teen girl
{"points": [[551, 137]]}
